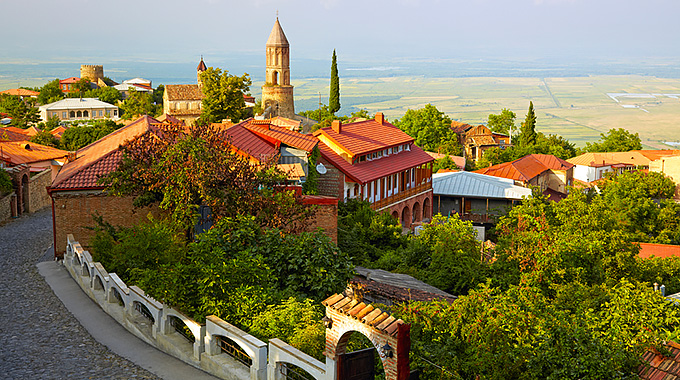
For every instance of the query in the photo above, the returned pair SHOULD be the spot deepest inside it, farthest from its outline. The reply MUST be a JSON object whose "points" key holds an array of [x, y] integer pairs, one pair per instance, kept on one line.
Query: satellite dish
{"points": [[321, 169]]}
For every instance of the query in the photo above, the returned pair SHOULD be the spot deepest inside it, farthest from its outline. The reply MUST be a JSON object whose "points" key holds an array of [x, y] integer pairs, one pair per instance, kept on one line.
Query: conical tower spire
{"points": [[277, 37], [277, 92]]}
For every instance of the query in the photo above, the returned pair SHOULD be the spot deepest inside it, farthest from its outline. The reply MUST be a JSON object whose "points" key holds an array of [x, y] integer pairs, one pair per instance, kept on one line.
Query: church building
{"points": [[277, 92]]}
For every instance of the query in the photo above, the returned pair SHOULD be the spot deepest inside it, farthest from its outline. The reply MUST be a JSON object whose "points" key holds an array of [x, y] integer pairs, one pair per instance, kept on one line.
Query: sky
{"points": [[181, 31]]}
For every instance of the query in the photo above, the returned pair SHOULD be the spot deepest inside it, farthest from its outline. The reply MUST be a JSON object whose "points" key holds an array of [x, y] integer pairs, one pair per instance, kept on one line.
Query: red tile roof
{"points": [[184, 92], [8, 134], [269, 131], [20, 92], [648, 250], [201, 66], [365, 136], [367, 171], [100, 157], [659, 367], [58, 131], [527, 167], [249, 143], [69, 80], [23, 152], [458, 127]]}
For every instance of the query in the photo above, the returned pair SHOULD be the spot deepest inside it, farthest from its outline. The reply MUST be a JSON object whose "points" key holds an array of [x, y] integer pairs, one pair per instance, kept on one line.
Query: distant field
{"points": [[577, 108]]}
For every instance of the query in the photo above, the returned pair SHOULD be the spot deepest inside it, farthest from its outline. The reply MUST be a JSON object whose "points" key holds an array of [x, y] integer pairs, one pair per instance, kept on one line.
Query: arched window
{"points": [[72, 114], [275, 79], [79, 114], [86, 114]]}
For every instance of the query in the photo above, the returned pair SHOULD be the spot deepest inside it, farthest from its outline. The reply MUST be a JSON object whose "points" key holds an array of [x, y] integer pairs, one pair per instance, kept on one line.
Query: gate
{"points": [[357, 365]]}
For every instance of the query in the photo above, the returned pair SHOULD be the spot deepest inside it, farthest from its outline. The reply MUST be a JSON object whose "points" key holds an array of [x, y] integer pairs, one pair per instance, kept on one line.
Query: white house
{"points": [[79, 109]]}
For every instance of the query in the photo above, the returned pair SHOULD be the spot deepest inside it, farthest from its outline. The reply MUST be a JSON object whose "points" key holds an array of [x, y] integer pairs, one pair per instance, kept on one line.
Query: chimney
{"points": [[379, 117], [337, 126]]}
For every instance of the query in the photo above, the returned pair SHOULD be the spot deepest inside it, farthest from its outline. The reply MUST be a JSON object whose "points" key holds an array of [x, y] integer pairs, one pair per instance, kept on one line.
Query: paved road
{"points": [[39, 338]]}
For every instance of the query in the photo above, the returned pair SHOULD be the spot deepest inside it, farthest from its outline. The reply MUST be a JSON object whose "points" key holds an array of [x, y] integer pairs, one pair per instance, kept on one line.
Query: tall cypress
{"points": [[527, 135], [334, 98]]}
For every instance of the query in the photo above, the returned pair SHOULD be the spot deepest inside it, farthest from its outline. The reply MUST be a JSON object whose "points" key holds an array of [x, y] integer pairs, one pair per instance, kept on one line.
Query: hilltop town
{"points": [[251, 240]]}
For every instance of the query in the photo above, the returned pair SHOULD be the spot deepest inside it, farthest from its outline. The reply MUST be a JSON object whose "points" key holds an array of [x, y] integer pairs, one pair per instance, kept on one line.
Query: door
{"points": [[357, 365]]}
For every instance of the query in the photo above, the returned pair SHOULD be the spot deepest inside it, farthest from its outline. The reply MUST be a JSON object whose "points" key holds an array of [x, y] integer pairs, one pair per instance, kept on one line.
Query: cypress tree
{"points": [[527, 135], [334, 98]]}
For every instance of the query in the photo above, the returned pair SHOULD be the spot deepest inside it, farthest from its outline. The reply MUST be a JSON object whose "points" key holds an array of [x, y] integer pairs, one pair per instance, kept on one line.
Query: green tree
{"points": [[445, 163], [80, 88], [137, 104], [431, 130], [45, 138], [158, 95], [503, 122], [310, 185], [79, 136], [527, 135], [334, 98], [223, 95], [109, 95], [616, 140], [22, 113], [6, 186], [50, 92]]}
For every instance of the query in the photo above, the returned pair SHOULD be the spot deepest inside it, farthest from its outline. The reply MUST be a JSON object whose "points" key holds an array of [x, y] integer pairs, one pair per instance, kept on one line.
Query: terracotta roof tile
{"points": [[648, 250], [23, 152], [267, 129], [249, 143], [184, 92], [367, 171], [9, 134], [527, 167], [656, 366], [76, 172], [20, 92], [366, 136], [459, 127]]}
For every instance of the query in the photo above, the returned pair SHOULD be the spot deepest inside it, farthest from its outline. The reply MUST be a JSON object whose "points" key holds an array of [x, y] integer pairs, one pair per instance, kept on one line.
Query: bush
{"points": [[6, 186]]}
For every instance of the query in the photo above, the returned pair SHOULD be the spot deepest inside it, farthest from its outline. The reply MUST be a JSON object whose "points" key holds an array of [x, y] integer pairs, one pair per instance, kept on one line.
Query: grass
{"points": [[583, 113]]}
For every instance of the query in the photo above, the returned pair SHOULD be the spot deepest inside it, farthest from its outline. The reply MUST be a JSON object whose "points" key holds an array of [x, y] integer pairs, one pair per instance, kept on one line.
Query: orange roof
{"points": [[657, 366], [58, 131], [367, 171], [69, 80], [648, 250], [32, 131], [599, 159], [249, 143], [9, 134], [100, 157], [201, 66], [283, 122], [294, 171], [459, 127], [22, 152], [527, 167], [458, 160], [654, 155], [20, 92], [365, 136], [269, 131]]}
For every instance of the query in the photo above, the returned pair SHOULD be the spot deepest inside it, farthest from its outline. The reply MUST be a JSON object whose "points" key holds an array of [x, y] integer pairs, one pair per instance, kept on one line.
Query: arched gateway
{"points": [[391, 338]]}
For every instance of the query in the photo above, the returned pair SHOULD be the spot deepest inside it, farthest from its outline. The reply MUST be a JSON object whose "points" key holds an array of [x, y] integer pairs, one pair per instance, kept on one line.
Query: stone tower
{"points": [[199, 70], [277, 92], [94, 73]]}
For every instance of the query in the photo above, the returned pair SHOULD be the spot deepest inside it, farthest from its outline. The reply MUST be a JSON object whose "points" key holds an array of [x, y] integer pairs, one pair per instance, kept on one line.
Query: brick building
{"points": [[375, 161]]}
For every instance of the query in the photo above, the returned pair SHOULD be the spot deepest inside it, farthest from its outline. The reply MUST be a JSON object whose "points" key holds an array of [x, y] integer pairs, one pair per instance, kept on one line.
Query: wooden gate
{"points": [[357, 365]]}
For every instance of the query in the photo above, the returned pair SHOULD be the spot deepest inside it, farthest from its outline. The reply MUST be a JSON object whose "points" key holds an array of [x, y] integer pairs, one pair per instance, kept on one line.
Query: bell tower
{"points": [[277, 92], [199, 70]]}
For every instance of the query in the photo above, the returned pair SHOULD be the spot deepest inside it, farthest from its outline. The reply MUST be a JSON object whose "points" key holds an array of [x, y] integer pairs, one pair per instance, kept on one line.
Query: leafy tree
{"points": [[50, 92], [21, 112], [527, 135], [184, 167], [444, 163], [109, 95], [80, 88], [158, 94], [45, 138], [51, 123], [6, 186], [137, 104], [310, 185], [503, 122], [616, 140], [223, 95], [364, 234], [431, 130], [334, 98], [79, 136]]}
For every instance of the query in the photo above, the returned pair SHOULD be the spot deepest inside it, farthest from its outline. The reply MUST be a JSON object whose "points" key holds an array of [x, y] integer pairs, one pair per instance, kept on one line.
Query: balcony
{"points": [[478, 218], [401, 196]]}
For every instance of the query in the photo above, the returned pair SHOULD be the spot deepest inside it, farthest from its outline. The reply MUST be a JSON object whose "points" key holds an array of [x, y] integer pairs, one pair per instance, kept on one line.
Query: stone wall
{"points": [[5, 207], [37, 191], [73, 213], [281, 95], [325, 216]]}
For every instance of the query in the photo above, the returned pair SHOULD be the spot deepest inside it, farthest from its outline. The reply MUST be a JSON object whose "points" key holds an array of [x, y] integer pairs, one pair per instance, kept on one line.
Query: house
{"points": [[125, 88], [22, 93], [590, 167], [670, 167], [375, 161], [550, 174], [476, 140], [475, 197], [139, 82], [70, 109], [37, 157], [184, 101], [68, 85]]}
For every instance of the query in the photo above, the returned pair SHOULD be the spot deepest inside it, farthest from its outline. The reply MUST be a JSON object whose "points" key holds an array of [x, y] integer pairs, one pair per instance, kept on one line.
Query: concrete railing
{"points": [[157, 324]]}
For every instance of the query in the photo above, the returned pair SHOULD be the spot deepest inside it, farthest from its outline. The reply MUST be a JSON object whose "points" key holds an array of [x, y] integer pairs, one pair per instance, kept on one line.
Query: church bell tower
{"points": [[277, 93]]}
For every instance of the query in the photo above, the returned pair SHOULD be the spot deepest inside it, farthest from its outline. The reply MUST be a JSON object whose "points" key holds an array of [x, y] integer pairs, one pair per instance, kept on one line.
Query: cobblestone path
{"points": [[39, 338]]}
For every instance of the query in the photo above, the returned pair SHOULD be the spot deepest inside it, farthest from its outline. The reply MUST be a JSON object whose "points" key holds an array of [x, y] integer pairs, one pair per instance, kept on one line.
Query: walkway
{"points": [[41, 339]]}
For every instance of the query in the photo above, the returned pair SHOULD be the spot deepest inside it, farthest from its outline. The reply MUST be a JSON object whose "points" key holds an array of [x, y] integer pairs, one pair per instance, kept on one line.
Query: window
{"points": [[79, 114], [115, 112], [64, 115], [73, 114], [101, 113], [86, 114]]}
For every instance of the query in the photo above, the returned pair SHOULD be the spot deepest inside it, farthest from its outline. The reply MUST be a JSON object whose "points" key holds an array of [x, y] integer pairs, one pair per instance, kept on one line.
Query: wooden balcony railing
{"points": [[401, 196], [478, 218]]}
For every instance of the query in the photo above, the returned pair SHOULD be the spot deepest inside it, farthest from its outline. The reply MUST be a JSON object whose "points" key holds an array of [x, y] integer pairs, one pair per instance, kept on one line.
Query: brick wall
{"points": [[332, 183], [73, 215], [325, 215], [37, 192]]}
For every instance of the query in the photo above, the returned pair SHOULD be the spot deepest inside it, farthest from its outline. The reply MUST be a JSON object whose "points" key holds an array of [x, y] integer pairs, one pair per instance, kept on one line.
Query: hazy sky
{"points": [[177, 30]]}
